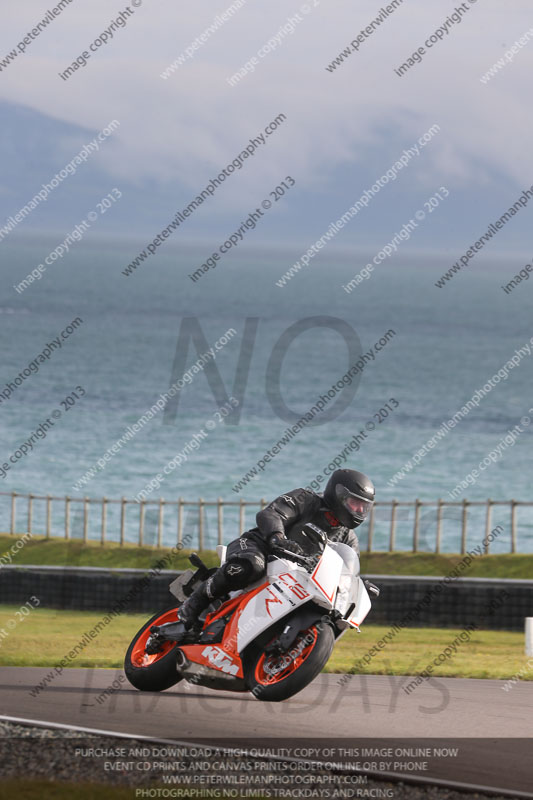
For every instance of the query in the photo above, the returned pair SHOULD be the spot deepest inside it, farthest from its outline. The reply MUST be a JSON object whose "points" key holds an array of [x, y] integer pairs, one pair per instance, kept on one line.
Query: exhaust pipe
{"points": [[181, 659]]}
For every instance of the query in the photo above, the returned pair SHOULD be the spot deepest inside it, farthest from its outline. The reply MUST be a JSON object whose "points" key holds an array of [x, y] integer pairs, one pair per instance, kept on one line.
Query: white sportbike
{"points": [[271, 639]]}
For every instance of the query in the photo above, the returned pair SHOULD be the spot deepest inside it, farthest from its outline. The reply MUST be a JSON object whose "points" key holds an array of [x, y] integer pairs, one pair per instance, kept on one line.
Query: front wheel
{"points": [[273, 678], [152, 672]]}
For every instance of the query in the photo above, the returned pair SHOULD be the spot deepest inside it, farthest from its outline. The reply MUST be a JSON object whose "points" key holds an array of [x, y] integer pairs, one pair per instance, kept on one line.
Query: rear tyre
{"points": [[274, 678], [156, 672]]}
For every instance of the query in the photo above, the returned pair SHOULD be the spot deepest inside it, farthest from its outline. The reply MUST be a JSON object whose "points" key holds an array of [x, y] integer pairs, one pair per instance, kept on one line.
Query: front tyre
{"points": [[154, 672], [273, 678]]}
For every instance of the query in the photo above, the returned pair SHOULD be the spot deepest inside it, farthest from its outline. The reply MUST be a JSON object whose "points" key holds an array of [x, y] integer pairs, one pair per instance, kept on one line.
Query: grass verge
{"points": [[76, 553], [27, 789], [39, 550], [46, 636]]}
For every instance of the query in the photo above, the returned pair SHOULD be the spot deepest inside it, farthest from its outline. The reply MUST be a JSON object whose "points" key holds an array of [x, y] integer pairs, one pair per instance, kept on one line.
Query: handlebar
{"points": [[304, 561]]}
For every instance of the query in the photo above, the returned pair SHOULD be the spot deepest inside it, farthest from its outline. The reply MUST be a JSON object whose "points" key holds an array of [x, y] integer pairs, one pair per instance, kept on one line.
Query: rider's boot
{"points": [[214, 587]]}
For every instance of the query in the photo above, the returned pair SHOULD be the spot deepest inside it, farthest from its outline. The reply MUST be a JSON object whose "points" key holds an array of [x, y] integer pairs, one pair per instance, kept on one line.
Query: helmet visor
{"points": [[357, 506]]}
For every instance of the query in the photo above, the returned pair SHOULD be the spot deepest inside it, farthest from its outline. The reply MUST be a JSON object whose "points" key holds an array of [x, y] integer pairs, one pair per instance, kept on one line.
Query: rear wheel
{"points": [[152, 672], [273, 678]]}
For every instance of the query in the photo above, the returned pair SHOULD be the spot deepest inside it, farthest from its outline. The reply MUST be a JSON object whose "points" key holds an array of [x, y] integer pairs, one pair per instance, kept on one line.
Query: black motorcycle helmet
{"points": [[350, 496]]}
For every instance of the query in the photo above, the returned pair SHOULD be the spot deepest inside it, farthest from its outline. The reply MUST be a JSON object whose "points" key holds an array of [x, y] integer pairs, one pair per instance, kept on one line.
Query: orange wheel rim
{"points": [[270, 670], [139, 656]]}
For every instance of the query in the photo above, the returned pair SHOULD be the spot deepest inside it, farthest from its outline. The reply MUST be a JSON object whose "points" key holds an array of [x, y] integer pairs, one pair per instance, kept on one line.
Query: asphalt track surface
{"points": [[495, 726]]}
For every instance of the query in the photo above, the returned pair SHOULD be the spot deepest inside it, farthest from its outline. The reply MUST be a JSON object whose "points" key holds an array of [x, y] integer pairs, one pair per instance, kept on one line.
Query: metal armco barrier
{"points": [[491, 603]]}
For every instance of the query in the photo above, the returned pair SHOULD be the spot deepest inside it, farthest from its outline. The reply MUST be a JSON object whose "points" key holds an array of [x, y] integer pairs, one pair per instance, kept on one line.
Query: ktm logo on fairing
{"points": [[220, 660]]}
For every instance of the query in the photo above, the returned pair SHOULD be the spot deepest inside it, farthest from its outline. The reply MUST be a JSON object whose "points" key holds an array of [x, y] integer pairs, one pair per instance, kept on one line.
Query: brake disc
{"points": [[282, 663]]}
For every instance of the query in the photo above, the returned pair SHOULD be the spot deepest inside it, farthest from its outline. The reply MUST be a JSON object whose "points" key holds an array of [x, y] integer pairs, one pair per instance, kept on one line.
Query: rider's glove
{"points": [[278, 541]]}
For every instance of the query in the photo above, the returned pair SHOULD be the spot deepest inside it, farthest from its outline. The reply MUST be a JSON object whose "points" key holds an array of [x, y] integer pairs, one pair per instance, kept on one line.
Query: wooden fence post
{"points": [[85, 518], [220, 520], [370, 530], [48, 516], [200, 524], [439, 526], [67, 517], [30, 512], [488, 525], [160, 518], [464, 523], [104, 521], [513, 526], [180, 520], [13, 511], [241, 516], [142, 511], [392, 526], [416, 531], [122, 520]]}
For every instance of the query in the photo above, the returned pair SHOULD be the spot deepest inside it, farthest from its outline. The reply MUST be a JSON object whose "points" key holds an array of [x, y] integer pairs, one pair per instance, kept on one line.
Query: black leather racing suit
{"points": [[246, 557], [287, 514]]}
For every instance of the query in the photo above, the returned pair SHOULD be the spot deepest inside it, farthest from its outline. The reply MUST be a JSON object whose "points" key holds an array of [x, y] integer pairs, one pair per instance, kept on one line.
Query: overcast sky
{"points": [[343, 129]]}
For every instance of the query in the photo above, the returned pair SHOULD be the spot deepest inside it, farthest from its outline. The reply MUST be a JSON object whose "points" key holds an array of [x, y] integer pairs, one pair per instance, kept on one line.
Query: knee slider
{"points": [[217, 585], [237, 573]]}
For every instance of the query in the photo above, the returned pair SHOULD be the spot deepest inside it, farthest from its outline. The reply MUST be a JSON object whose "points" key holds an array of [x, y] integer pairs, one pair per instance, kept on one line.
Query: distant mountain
{"points": [[35, 147]]}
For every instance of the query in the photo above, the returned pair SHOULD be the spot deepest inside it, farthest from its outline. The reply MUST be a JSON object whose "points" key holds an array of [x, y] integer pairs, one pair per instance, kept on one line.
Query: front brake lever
{"points": [[290, 556]]}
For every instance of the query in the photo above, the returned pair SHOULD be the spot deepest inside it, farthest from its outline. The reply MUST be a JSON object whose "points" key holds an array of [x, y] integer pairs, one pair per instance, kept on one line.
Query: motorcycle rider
{"points": [[346, 502]]}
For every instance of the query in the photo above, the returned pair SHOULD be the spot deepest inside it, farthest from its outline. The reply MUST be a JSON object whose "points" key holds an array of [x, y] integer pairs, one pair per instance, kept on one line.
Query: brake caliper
{"points": [[274, 665]]}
